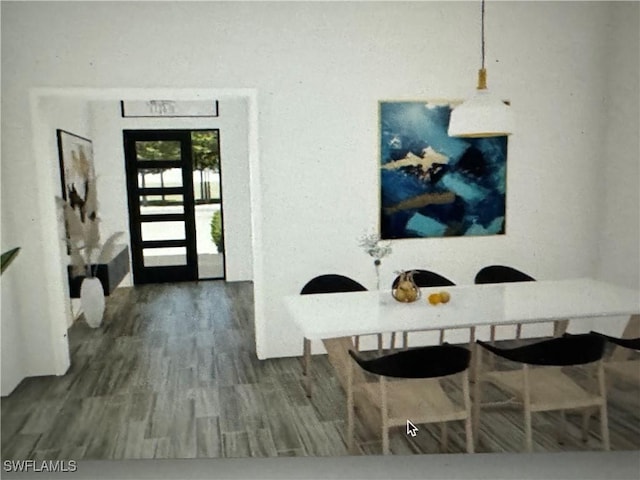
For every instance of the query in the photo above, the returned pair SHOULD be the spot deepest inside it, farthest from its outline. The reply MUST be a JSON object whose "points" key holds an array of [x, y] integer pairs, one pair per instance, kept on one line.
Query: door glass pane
{"points": [[159, 177], [209, 239], [164, 257], [162, 231], [206, 186], [205, 148], [153, 204], [158, 150]]}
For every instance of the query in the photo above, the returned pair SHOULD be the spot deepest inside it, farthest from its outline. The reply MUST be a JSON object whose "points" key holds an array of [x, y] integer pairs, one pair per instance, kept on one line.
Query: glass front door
{"points": [[161, 213]]}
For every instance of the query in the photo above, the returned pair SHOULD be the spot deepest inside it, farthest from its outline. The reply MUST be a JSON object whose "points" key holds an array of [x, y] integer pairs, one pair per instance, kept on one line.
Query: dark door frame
{"points": [[160, 274]]}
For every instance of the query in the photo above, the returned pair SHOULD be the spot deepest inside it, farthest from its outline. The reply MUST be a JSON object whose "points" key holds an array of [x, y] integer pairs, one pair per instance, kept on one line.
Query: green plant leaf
{"points": [[216, 231]]}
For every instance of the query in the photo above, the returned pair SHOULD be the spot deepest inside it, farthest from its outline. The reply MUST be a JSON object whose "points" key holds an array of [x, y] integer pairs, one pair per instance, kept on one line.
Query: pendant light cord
{"points": [[482, 33], [482, 74]]}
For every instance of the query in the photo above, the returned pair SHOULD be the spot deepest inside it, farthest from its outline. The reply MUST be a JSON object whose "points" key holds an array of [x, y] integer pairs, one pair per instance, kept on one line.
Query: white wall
{"points": [[619, 223], [320, 70], [13, 354], [37, 315], [619, 219]]}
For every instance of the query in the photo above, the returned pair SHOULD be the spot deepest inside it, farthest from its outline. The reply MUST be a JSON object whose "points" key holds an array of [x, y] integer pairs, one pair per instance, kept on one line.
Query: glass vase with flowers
{"points": [[376, 248]]}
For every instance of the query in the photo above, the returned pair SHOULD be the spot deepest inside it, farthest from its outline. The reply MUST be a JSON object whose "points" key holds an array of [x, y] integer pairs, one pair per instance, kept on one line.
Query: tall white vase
{"points": [[92, 301]]}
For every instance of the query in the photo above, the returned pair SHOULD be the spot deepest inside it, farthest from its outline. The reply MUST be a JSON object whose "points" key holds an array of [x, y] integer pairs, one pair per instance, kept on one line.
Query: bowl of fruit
{"points": [[405, 290]]}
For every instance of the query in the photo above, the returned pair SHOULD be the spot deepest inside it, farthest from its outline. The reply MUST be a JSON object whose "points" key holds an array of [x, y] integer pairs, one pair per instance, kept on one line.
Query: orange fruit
{"points": [[445, 297], [434, 298]]}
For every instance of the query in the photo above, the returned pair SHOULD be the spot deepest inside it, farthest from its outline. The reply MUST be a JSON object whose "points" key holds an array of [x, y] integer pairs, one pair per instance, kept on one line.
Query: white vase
{"points": [[92, 301]]}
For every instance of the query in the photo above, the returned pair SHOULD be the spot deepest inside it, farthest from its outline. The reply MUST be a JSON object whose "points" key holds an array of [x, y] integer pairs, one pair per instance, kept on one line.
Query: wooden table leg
{"points": [[306, 366], [560, 327], [472, 349]]}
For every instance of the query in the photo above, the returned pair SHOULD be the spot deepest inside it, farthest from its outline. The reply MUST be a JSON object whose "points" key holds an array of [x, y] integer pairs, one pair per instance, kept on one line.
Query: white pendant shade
{"points": [[483, 115]]}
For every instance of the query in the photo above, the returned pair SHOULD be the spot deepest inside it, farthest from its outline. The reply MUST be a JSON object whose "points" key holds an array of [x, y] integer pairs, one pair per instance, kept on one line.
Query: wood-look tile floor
{"points": [[172, 373]]}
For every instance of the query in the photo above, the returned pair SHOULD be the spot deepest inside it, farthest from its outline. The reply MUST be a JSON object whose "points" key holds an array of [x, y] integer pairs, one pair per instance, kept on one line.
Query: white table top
{"points": [[334, 315]]}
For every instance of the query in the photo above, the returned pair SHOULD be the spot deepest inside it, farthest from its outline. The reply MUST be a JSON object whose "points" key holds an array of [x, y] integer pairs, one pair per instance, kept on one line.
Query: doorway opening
{"points": [[175, 205]]}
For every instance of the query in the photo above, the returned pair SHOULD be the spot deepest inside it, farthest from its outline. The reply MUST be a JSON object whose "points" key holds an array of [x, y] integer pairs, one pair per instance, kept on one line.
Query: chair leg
{"points": [[357, 343], [562, 433], [491, 359], [604, 420], [527, 410], [477, 392], [385, 439], [379, 344], [350, 411], [586, 416], [405, 340], [384, 412], [469, 434], [392, 342], [527, 430], [351, 434], [441, 336], [305, 356], [444, 437], [604, 427], [473, 349], [467, 407], [306, 366]]}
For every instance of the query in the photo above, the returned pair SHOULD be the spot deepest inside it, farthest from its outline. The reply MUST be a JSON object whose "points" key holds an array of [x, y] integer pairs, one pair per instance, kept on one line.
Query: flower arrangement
{"points": [[377, 249]]}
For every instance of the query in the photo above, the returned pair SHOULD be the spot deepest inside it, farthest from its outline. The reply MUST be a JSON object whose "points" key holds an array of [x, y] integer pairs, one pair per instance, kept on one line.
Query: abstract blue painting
{"points": [[434, 185]]}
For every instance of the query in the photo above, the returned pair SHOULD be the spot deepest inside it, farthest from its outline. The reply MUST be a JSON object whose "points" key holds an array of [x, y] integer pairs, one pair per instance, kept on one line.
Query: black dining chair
{"points": [[630, 343], [539, 384], [416, 394], [621, 365], [422, 278], [502, 274], [331, 283]]}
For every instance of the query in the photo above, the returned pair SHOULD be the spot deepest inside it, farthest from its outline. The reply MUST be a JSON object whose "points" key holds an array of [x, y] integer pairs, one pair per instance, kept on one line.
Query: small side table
{"points": [[110, 273]]}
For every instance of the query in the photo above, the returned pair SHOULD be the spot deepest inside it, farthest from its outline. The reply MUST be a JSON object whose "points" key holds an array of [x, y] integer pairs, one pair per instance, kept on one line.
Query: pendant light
{"points": [[483, 115]]}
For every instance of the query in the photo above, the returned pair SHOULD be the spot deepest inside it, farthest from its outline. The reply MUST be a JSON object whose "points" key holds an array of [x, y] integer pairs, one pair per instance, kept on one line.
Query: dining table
{"points": [[335, 318]]}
